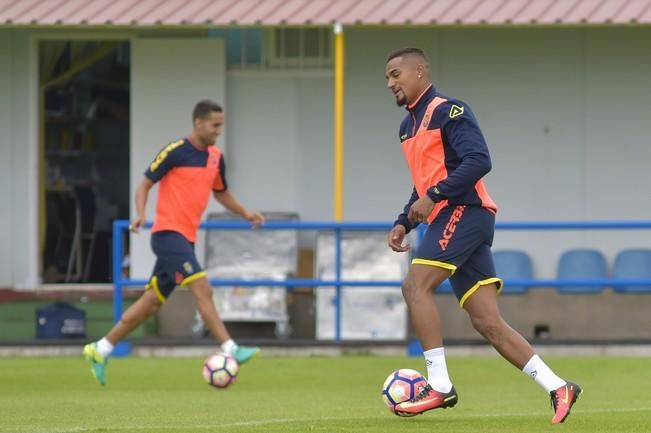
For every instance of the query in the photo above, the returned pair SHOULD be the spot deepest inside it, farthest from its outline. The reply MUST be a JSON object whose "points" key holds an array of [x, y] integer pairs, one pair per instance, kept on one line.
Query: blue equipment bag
{"points": [[60, 320]]}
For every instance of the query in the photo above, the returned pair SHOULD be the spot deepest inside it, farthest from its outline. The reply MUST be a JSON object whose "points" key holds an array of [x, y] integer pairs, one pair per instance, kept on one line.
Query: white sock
{"points": [[229, 346], [437, 370], [543, 375], [104, 347]]}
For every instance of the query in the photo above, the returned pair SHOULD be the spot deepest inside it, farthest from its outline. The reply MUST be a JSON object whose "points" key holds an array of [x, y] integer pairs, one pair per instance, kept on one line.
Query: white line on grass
{"points": [[264, 422]]}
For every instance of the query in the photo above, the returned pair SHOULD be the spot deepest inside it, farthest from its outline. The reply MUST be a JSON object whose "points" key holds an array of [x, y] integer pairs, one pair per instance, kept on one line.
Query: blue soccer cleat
{"points": [[97, 362], [243, 353]]}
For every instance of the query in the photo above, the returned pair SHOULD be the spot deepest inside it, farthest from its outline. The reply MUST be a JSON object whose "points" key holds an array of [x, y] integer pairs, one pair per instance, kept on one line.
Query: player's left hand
{"points": [[420, 210], [255, 218]]}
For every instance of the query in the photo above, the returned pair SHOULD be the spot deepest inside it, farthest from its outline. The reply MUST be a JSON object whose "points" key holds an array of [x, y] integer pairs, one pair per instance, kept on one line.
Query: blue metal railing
{"points": [[119, 226]]}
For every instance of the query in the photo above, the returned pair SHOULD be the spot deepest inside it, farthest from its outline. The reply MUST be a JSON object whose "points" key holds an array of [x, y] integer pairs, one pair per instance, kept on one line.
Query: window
{"points": [[279, 48], [243, 46], [300, 47]]}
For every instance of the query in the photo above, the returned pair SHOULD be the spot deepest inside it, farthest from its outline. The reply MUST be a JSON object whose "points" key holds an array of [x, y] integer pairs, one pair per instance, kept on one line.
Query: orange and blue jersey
{"points": [[187, 175], [444, 148]]}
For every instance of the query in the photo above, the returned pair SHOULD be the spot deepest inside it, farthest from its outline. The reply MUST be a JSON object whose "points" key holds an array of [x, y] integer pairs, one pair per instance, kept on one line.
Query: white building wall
{"points": [[6, 268], [262, 121], [534, 112], [564, 110], [168, 77], [18, 161], [280, 141]]}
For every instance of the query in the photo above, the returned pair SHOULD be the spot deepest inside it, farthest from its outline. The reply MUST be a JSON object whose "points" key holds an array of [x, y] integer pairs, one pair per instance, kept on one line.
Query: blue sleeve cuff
{"points": [[434, 193], [404, 221]]}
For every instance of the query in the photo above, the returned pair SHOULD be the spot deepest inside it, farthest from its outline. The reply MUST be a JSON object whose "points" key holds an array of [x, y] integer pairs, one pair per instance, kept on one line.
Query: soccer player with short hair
{"points": [[188, 171], [448, 157]]}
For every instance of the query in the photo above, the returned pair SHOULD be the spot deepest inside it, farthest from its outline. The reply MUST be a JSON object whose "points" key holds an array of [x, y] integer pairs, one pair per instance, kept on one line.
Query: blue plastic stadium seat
{"points": [[633, 264], [582, 264], [513, 265]]}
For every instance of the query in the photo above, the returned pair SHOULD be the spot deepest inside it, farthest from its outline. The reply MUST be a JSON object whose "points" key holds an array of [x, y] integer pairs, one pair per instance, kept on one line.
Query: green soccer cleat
{"points": [[97, 362], [243, 353]]}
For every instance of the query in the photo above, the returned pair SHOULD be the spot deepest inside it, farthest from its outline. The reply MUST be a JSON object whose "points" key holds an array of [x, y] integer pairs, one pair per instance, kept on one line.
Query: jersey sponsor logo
{"points": [[188, 267], [456, 111], [163, 154], [450, 227]]}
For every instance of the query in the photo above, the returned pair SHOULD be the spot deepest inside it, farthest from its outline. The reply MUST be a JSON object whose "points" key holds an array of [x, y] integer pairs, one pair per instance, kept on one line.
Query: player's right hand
{"points": [[255, 218], [136, 224], [396, 237]]}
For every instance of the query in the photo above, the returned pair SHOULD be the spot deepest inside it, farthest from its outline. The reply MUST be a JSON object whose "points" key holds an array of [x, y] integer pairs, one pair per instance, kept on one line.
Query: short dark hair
{"points": [[204, 108], [409, 50]]}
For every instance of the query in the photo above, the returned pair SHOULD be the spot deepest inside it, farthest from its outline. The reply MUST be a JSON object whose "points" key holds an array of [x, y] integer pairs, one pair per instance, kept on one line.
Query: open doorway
{"points": [[84, 131]]}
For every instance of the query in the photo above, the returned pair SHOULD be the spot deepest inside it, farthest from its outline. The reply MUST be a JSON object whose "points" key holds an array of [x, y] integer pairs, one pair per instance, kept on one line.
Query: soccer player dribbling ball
{"points": [[188, 171], [448, 157]]}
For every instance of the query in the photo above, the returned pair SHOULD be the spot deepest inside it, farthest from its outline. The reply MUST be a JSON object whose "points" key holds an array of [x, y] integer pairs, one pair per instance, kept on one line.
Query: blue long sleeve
{"points": [[463, 136], [402, 218]]}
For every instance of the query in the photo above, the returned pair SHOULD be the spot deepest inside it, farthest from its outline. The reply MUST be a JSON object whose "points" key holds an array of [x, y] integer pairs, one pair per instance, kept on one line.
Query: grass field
{"points": [[277, 394]]}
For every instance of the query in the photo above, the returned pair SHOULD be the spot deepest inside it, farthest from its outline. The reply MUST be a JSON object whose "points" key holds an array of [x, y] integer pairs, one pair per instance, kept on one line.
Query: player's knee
{"points": [[411, 289], [201, 290], [407, 289], [489, 327], [155, 306]]}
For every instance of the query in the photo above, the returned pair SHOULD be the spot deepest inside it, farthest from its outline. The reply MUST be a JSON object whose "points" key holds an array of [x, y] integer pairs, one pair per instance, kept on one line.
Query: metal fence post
{"points": [[117, 270], [338, 284], [122, 348]]}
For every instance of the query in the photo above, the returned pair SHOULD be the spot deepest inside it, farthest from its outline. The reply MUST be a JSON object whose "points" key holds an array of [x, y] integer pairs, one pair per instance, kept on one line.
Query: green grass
{"points": [[275, 394]]}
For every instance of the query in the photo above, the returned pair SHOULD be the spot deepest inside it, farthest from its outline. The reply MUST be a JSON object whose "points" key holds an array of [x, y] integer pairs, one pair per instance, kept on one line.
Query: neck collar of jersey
{"points": [[195, 145], [413, 105]]}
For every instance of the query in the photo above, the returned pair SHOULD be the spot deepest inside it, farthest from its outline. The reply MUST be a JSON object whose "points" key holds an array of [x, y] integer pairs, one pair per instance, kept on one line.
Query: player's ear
{"points": [[420, 70]]}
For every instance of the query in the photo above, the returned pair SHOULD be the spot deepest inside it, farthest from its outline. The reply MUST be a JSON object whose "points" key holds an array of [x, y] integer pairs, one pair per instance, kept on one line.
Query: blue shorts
{"points": [[176, 263], [459, 239]]}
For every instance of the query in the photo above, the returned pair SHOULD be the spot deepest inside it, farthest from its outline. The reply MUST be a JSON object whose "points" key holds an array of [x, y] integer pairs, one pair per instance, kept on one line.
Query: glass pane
{"points": [[292, 43], [232, 40], [234, 47], [327, 43], [254, 43], [312, 42]]}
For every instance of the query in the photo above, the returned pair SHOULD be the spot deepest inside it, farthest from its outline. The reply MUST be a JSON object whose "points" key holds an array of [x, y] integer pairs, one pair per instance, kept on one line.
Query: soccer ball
{"points": [[402, 385], [220, 370]]}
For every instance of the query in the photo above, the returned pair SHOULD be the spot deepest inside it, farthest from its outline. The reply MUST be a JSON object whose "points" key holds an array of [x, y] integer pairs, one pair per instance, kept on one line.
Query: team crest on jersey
{"points": [[188, 267], [425, 122], [456, 111]]}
